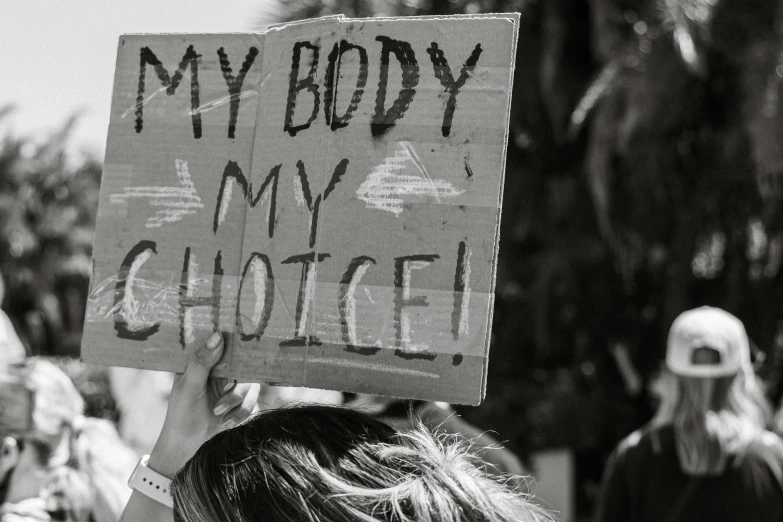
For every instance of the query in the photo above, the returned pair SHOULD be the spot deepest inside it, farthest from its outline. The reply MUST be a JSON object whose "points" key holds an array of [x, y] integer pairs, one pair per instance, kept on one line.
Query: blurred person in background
{"points": [[706, 455], [56, 464]]}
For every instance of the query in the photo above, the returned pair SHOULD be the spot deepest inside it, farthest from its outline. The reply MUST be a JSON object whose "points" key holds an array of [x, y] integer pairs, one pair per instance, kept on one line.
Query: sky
{"points": [[58, 56]]}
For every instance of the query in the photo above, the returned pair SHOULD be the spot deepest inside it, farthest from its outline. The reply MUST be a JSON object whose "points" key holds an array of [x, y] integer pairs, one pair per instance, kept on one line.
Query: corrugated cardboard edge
{"points": [[339, 18], [514, 17]]}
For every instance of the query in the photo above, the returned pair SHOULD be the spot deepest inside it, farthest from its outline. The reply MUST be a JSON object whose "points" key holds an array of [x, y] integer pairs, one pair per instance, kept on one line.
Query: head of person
{"points": [[333, 464], [712, 396], [77, 465]]}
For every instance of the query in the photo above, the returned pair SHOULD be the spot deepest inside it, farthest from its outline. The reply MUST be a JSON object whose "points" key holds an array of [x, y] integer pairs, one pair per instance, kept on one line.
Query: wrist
{"points": [[173, 449], [164, 460]]}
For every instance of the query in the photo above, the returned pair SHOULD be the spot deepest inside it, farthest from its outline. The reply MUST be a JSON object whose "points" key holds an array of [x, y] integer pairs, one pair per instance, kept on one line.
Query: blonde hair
{"points": [[714, 419], [88, 464], [328, 464]]}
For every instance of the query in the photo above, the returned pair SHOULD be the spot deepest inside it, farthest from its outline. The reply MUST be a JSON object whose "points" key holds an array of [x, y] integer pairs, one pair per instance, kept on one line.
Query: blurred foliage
{"points": [[47, 217]]}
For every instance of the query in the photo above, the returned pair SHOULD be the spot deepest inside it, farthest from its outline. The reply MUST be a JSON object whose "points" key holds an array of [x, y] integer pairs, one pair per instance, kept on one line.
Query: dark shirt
{"points": [[643, 483]]}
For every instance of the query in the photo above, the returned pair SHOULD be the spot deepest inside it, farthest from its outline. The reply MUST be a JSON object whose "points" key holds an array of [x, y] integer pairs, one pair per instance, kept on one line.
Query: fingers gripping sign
{"points": [[200, 407]]}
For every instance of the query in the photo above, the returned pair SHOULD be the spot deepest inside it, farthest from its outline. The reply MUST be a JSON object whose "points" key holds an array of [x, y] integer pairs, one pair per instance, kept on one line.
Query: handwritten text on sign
{"points": [[327, 194]]}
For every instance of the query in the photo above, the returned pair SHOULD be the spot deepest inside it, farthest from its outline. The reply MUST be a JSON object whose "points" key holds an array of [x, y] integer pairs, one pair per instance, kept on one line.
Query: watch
{"points": [[151, 483]]}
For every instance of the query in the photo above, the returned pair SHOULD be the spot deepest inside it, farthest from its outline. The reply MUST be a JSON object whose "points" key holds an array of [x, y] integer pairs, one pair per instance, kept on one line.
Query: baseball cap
{"points": [[707, 342]]}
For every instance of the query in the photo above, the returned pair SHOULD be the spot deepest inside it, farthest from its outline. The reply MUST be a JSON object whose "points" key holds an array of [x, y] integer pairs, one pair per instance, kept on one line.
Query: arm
{"points": [[199, 408]]}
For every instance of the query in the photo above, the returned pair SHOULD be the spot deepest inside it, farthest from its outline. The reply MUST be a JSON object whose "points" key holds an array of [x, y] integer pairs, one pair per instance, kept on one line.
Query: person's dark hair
{"points": [[329, 464]]}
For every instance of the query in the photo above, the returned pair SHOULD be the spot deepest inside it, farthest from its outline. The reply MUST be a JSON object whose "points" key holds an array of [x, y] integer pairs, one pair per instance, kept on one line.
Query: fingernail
{"points": [[229, 386], [214, 340], [230, 423], [220, 409]]}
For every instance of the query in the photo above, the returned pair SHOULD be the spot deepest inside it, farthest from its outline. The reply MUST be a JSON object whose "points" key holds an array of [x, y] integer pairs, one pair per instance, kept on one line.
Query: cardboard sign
{"points": [[327, 194]]}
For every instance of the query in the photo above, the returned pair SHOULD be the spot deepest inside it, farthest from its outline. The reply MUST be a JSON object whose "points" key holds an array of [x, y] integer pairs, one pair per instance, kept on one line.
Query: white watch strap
{"points": [[151, 483]]}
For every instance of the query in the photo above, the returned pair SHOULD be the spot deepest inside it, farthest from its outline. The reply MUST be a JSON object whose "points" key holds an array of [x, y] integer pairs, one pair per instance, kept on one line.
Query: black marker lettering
{"points": [[383, 120], [333, 77], [190, 57], [346, 303], [459, 315], [329, 83], [235, 84], [295, 85], [402, 299], [187, 302], [306, 294], [232, 175], [443, 73], [264, 287], [123, 293], [314, 211], [315, 206]]}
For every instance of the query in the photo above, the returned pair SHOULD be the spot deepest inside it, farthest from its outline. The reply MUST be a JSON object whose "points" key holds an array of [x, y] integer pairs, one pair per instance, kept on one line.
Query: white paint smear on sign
{"points": [[369, 365], [178, 201], [391, 182]]}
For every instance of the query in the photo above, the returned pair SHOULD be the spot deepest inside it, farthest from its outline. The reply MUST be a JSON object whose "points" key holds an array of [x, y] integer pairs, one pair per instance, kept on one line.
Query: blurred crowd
{"points": [[709, 453]]}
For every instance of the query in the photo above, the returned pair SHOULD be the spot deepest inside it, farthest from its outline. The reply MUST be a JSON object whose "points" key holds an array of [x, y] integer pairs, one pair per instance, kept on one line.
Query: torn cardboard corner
{"points": [[327, 194]]}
